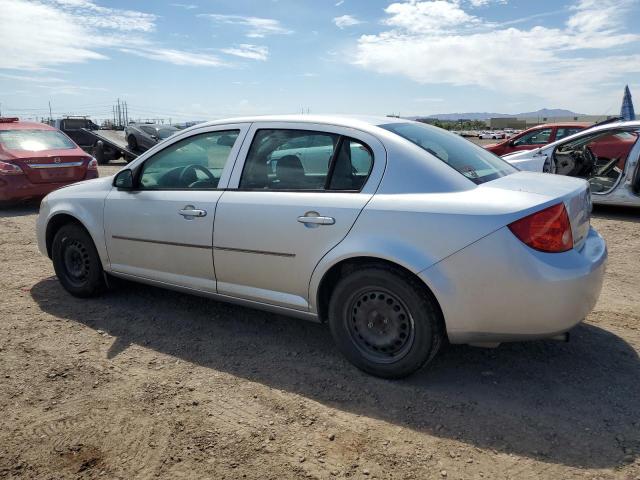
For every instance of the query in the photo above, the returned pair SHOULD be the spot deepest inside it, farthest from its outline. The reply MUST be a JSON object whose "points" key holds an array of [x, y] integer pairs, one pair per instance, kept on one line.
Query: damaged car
{"points": [[607, 156]]}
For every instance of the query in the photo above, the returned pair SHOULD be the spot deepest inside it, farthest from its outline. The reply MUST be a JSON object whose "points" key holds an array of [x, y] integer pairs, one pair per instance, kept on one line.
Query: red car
{"points": [[536, 137], [36, 159], [604, 148]]}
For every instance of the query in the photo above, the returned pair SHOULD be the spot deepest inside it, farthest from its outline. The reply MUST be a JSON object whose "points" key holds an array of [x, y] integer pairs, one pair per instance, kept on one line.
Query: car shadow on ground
{"points": [[614, 212], [564, 403], [19, 210]]}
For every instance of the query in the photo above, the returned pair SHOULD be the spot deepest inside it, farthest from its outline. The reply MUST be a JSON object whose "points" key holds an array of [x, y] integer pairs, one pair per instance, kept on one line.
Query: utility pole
{"points": [[50, 115]]}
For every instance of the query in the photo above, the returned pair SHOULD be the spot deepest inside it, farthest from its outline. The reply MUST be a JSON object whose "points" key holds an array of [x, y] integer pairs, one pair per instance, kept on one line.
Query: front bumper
{"points": [[499, 290]]}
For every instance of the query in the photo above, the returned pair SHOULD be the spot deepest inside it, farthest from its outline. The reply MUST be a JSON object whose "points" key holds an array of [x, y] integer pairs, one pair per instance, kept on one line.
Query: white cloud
{"points": [[186, 6], [257, 27], [245, 50], [427, 17], [482, 3], [37, 35], [33, 79], [339, 2], [437, 42], [176, 57], [344, 21]]}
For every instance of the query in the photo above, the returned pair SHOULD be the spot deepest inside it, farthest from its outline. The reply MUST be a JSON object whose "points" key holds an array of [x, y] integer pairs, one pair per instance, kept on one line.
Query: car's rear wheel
{"points": [[76, 261], [384, 322], [132, 143]]}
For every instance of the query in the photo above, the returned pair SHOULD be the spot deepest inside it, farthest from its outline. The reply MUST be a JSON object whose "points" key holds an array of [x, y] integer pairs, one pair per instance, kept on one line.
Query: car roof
{"points": [[157, 126], [563, 124], [354, 121], [24, 125]]}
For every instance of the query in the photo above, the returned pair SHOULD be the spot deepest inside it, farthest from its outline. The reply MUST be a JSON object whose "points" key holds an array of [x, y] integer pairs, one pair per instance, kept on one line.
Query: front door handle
{"points": [[189, 212], [313, 219]]}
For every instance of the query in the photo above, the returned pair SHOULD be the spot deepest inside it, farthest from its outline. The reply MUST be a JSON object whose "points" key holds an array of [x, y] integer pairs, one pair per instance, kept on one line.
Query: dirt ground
{"points": [[147, 383]]}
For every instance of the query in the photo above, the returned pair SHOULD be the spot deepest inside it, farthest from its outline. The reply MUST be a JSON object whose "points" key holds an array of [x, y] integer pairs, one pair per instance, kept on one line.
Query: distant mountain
{"points": [[542, 113]]}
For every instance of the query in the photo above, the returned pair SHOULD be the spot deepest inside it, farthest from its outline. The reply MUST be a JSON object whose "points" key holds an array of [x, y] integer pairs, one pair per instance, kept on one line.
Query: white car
{"points": [[607, 156], [491, 135], [396, 233]]}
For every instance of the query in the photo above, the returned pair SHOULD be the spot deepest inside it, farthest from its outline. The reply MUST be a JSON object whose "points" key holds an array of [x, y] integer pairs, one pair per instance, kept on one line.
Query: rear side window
{"points": [[35, 140], [282, 159], [566, 132], [472, 161]]}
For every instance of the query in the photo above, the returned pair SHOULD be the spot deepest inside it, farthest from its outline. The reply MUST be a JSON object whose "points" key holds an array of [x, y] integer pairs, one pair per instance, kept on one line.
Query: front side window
{"points": [[305, 160], [35, 140], [472, 161], [193, 163], [537, 137]]}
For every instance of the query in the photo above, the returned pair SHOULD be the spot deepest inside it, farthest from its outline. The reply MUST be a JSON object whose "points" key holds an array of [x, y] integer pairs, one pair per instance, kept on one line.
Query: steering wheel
{"points": [[191, 170]]}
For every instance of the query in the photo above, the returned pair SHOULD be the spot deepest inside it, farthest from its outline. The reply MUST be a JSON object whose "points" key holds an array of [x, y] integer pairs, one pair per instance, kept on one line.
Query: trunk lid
{"points": [[52, 166], [574, 192]]}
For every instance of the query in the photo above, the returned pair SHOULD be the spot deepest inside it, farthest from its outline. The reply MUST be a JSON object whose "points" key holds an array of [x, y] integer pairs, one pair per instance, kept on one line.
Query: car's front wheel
{"points": [[384, 321], [76, 261]]}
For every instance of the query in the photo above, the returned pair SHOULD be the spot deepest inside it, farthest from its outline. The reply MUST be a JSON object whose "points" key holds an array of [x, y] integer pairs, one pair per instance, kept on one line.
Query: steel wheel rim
{"points": [[76, 262], [380, 325]]}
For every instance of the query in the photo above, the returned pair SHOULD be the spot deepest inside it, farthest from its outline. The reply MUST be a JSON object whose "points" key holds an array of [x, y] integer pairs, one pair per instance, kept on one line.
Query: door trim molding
{"points": [[161, 242], [208, 247], [258, 252]]}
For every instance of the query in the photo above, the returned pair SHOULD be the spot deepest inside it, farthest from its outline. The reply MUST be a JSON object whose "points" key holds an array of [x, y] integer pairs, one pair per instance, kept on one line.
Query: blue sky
{"points": [[201, 59]]}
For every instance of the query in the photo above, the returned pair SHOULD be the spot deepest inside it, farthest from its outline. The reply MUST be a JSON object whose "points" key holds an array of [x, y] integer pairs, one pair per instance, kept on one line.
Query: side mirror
{"points": [[512, 143], [124, 180], [155, 137]]}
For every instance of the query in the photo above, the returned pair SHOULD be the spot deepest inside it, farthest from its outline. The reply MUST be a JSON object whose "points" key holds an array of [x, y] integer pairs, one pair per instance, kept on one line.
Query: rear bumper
{"points": [[18, 187], [500, 290]]}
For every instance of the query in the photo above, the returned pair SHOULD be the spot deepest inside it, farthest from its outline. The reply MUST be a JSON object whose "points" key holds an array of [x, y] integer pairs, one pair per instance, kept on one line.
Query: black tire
{"points": [[396, 333], [76, 261], [132, 142], [98, 153]]}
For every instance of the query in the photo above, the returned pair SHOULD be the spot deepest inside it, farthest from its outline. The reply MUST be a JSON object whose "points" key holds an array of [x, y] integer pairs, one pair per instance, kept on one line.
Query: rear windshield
{"points": [[35, 140], [472, 161]]}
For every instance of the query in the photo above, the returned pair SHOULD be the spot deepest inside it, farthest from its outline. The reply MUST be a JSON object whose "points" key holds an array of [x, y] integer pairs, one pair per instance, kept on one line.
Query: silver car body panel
{"points": [[414, 211], [621, 194]]}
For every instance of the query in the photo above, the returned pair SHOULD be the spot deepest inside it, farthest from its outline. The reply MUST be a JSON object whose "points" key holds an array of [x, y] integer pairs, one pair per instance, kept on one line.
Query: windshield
{"points": [[35, 140], [472, 161], [166, 132]]}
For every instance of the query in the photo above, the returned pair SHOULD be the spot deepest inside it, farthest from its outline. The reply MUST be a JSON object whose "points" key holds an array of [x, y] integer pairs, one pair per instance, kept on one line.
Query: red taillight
{"points": [[548, 230], [10, 169], [93, 164]]}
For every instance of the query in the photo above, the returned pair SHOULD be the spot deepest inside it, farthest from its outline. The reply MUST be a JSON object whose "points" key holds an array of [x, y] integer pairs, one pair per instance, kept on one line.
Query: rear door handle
{"points": [[189, 212], [313, 219]]}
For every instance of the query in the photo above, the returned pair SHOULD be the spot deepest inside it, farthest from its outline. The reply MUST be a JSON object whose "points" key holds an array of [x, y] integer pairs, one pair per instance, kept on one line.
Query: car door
{"points": [[275, 222], [145, 139], [163, 229]]}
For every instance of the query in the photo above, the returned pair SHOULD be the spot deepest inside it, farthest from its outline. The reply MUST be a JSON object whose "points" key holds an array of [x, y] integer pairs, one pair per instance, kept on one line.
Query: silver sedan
{"points": [[397, 234]]}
